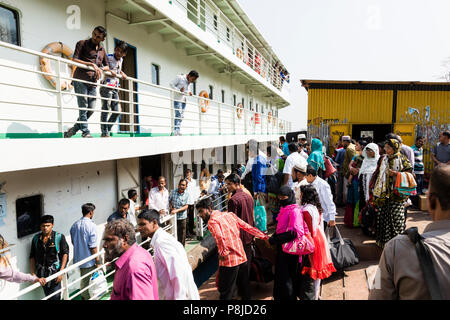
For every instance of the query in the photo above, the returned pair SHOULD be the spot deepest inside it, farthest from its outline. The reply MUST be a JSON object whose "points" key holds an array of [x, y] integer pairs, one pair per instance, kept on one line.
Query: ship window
{"points": [[211, 92], [234, 99], [28, 214], [155, 74], [228, 34], [9, 26], [223, 96], [215, 22], [194, 88], [243, 104]]}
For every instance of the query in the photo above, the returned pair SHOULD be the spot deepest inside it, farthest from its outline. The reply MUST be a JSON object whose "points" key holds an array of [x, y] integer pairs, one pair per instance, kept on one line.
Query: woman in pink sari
{"points": [[289, 283]]}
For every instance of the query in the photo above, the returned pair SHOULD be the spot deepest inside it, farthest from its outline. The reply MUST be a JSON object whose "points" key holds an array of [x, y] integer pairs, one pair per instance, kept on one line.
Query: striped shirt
{"points": [[418, 160], [225, 228]]}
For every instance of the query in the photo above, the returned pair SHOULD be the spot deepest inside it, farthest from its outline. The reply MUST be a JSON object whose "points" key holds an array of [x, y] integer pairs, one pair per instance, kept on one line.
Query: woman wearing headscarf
{"points": [[351, 217], [371, 155], [289, 283], [390, 220], [315, 159]]}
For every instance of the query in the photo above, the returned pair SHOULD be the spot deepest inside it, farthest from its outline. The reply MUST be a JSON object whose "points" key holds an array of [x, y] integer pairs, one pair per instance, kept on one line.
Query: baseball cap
{"points": [[346, 138], [302, 136]]}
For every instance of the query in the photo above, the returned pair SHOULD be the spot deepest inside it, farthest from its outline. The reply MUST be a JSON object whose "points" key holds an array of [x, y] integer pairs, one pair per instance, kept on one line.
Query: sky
{"points": [[377, 40]]}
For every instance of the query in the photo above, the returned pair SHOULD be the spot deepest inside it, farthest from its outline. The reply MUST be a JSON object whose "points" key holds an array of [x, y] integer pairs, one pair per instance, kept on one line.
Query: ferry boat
{"points": [[41, 172]]}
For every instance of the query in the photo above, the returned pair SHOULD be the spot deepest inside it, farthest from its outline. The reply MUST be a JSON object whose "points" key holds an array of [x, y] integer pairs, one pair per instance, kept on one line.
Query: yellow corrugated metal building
{"points": [[375, 108]]}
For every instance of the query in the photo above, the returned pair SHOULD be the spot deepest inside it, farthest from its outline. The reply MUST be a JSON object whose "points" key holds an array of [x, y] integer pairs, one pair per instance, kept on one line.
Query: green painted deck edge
{"points": [[98, 135]]}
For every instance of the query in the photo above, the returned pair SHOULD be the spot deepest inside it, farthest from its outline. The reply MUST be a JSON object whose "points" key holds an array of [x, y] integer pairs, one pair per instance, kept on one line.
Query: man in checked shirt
{"points": [[225, 228]]}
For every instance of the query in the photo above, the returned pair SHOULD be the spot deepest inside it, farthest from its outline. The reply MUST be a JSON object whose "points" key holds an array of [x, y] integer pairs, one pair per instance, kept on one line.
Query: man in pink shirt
{"points": [[135, 277]]}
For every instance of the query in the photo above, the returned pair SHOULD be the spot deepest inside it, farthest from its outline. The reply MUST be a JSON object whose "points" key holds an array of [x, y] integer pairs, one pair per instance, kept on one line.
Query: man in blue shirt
{"points": [[84, 239], [284, 146]]}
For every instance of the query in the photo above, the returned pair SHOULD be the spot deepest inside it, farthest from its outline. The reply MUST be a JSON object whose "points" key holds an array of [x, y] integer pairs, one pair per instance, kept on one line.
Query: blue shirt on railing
{"points": [[84, 237]]}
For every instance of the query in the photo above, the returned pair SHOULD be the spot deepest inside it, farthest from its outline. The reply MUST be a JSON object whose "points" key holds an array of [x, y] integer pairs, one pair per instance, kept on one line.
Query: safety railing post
{"points": [[219, 117], [234, 114], [172, 111], [200, 119], [59, 99], [131, 105], [65, 286]]}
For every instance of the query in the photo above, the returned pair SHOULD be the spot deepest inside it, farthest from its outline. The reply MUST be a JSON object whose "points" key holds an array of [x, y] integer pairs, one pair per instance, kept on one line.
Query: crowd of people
{"points": [[297, 184]]}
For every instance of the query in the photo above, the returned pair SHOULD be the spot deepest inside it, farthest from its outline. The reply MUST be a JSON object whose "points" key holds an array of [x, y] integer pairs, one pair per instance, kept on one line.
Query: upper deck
{"points": [[34, 113]]}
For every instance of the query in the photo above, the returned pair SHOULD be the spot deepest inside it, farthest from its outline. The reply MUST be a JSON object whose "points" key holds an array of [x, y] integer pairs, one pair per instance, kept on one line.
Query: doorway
{"points": [[376, 131], [150, 166], [129, 67]]}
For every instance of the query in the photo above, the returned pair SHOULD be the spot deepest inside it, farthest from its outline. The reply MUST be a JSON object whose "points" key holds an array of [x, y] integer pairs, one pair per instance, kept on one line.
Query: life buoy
{"points": [[204, 103], [257, 121], [239, 54], [239, 110], [269, 116], [55, 48]]}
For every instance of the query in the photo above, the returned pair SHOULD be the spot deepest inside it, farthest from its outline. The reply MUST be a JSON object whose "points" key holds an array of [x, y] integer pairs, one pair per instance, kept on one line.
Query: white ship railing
{"points": [[34, 104], [66, 286], [211, 19], [220, 203]]}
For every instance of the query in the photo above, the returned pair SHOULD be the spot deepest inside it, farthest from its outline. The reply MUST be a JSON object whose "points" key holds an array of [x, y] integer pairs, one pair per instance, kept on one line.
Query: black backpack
{"points": [[273, 182]]}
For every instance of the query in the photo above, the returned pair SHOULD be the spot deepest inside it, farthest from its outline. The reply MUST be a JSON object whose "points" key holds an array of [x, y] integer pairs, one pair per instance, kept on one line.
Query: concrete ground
{"points": [[351, 284]]}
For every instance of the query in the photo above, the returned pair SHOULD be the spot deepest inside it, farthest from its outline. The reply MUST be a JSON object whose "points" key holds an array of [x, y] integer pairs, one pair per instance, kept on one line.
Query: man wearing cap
{"points": [[299, 179], [302, 138], [293, 158], [349, 154], [301, 151]]}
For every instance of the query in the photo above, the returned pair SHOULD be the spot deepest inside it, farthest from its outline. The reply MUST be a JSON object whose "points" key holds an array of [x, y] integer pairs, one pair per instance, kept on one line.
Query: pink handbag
{"points": [[301, 245]]}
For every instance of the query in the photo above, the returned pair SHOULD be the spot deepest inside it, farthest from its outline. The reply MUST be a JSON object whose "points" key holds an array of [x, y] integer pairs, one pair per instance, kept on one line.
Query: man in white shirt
{"points": [[194, 193], [132, 196], [299, 179], [325, 196], [159, 197], [302, 152], [181, 85], [293, 158], [175, 279]]}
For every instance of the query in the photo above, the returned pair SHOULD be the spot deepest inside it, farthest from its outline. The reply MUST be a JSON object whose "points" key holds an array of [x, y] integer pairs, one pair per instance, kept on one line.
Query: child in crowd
{"points": [[321, 264]]}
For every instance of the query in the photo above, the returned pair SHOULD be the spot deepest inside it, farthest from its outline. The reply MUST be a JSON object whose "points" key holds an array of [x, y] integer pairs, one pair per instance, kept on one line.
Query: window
{"points": [[211, 92], [28, 214], [194, 88], [228, 34], [9, 26], [234, 99], [155, 74], [223, 96], [243, 104], [215, 22]]}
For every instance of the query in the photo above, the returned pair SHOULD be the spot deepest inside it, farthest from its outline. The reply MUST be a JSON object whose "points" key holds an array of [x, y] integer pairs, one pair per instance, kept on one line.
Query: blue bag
{"points": [[260, 216]]}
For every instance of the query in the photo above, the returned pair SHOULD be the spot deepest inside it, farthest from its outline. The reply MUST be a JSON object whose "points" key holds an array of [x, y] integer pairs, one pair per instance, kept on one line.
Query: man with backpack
{"points": [[49, 255]]}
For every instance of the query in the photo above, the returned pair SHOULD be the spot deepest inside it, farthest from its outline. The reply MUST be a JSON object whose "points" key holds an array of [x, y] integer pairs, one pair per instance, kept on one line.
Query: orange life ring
{"points": [[204, 103], [239, 110], [239, 54], [257, 121], [55, 48], [269, 116]]}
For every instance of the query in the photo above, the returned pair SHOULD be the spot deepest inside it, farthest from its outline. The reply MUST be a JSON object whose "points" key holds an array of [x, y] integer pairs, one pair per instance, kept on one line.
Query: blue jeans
{"points": [[419, 178], [179, 113], [109, 93], [84, 102]]}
